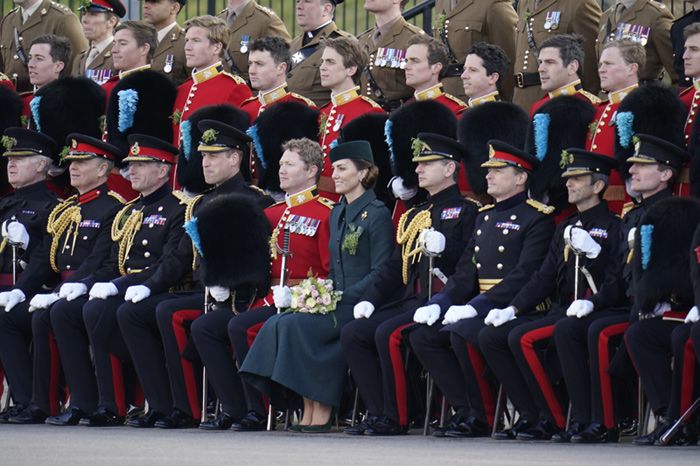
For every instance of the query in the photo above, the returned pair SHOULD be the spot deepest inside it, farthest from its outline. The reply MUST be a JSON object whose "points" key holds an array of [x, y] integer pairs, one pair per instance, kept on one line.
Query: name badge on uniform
{"points": [[338, 122], [552, 20], [297, 58], [450, 213], [89, 224], [508, 226], [155, 219], [169, 60], [598, 233], [28, 212], [245, 40]]}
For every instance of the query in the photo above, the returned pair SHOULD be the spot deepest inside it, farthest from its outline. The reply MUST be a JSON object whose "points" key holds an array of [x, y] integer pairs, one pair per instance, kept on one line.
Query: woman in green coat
{"points": [[302, 351]]}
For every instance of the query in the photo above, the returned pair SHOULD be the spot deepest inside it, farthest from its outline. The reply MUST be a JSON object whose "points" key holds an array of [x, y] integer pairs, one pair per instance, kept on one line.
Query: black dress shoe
{"points": [[564, 436], [662, 425], [510, 434], [177, 420], [386, 426], [543, 430], [596, 433], [251, 422], [469, 427], [361, 427], [12, 411], [221, 422], [146, 421], [29, 415], [103, 417], [70, 418]]}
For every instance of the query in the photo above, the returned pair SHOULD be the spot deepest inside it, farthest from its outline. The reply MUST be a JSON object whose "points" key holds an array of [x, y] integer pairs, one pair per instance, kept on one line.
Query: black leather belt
{"points": [[527, 79]]}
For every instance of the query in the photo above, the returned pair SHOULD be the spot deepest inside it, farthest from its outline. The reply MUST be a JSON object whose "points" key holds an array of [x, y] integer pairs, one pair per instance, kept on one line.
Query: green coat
{"points": [[302, 351]]}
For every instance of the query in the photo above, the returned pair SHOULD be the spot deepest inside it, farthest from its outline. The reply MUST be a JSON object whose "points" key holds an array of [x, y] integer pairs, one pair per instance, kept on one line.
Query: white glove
{"points": [[9, 299], [71, 291], [580, 308], [136, 293], [282, 296], [15, 233], [42, 301], [660, 309], [363, 309], [457, 313], [427, 314], [498, 317], [582, 241], [103, 290], [433, 241], [693, 316], [400, 190], [219, 293]]}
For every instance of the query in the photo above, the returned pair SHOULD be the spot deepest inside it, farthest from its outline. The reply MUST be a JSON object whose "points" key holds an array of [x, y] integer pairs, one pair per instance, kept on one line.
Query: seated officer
{"points": [[509, 241], [77, 245], [145, 230], [484, 71], [155, 330], [576, 265], [438, 228]]}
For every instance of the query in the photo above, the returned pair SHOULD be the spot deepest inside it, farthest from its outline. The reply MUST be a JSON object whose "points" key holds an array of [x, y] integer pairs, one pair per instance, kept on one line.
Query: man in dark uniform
{"points": [[511, 351], [491, 270], [248, 22], [169, 55], [77, 244], [438, 230], [315, 20], [153, 327], [383, 79], [144, 231], [99, 18], [23, 214], [30, 19], [678, 40]]}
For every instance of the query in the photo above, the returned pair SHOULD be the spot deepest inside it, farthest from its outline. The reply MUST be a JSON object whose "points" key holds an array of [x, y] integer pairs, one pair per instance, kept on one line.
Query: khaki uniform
{"points": [[49, 18], [304, 77], [561, 17], [101, 68], [470, 22], [387, 60], [254, 22], [169, 58], [648, 22]]}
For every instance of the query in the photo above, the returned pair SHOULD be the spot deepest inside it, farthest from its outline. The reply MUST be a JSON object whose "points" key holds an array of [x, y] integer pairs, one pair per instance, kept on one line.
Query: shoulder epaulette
{"points": [[326, 202], [454, 99], [277, 203], [370, 101], [225, 10], [306, 100], [473, 201], [181, 196], [487, 207], [4, 77], [342, 33], [249, 99], [541, 207], [265, 10], [258, 190], [595, 100], [627, 208], [189, 210], [236, 78], [369, 31], [658, 5], [116, 196], [62, 8]]}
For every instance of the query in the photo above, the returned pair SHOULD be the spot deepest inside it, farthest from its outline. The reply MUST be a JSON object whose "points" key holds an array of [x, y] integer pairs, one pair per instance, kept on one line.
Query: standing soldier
{"points": [[539, 20], [383, 79], [315, 19], [463, 23], [678, 40], [30, 19], [48, 57], [169, 56], [691, 99], [485, 69], [99, 18], [133, 49], [644, 21], [247, 21]]}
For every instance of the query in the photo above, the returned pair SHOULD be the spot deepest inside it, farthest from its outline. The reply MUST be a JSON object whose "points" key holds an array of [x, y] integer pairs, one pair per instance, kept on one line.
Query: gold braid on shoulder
{"points": [[124, 229], [189, 213], [64, 218], [407, 237]]}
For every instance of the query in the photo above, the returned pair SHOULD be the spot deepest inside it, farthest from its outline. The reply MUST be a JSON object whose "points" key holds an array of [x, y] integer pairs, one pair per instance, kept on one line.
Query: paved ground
{"points": [[48, 445]]}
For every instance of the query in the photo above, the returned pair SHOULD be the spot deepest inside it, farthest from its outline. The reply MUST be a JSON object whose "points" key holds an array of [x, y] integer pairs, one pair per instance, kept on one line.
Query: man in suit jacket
{"points": [[169, 57]]}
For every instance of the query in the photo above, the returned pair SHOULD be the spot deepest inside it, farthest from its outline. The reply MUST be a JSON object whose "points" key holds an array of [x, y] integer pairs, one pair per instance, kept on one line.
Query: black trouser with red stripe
{"points": [[684, 385], [495, 346], [33, 375], [210, 335], [571, 336], [139, 328], [649, 345], [242, 330], [373, 350]]}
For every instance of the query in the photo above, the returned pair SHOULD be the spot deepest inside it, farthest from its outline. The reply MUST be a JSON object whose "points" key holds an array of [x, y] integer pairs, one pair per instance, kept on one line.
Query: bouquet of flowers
{"points": [[315, 296]]}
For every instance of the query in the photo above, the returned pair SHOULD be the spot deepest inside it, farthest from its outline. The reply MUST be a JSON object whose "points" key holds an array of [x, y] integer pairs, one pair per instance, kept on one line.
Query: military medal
{"points": [[644, 32], [402, 63], [381, 57], [338, 122], [169, 59], [244, 44]]}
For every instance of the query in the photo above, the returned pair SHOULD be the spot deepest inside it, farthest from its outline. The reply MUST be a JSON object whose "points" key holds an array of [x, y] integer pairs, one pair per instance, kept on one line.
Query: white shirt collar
{"points": [[164, 32], [100, 46], [26, 13]]}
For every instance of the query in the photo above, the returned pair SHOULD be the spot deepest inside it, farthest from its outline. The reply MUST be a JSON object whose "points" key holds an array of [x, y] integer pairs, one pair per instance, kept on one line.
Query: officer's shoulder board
{"points": [[62, 8], [306, 100], [658, 5], [487, 207], [454, 99], [117, 196], [370, 101], [237, 79], [473, 201], [258, 190], [595, 100], [627, 208], [326, 202], [265, 10], [540, 207], [339, 32], [181, 196]]}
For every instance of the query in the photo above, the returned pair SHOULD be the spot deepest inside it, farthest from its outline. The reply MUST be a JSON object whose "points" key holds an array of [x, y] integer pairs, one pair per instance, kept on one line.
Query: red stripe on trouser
{"points": [[118, 385], [2, 380], [54, 375], [179, 319], [139, 397], [688, 375], [487, 395], [606, 393], [527, 344], [252, 332], [399, 375]]}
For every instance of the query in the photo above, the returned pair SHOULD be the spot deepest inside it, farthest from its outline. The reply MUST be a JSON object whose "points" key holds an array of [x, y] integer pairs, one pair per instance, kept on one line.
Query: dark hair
{"points": [[437, 51], [370, 179], [493, 57], [691, 30], [60, 47], [353, 55], [144, 33], [278, 48], [570, 48]]}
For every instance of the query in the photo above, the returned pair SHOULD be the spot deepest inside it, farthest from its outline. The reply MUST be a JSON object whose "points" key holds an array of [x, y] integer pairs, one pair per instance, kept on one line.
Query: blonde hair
{"points": [[217, 30]]}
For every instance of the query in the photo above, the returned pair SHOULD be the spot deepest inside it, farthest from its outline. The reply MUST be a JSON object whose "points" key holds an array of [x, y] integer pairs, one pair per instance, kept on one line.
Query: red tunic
{"points": [[575, 89], [255, 105], [690, 98]]}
